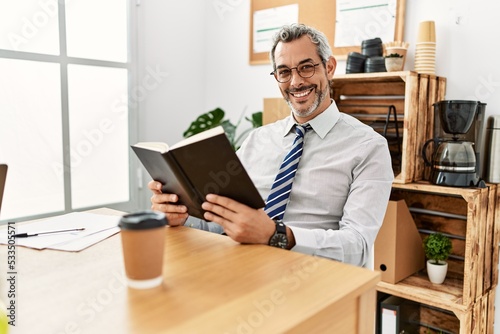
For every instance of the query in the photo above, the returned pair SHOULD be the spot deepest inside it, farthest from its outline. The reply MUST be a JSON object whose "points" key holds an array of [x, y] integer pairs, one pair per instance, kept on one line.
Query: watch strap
{"points": [[280, 226]]}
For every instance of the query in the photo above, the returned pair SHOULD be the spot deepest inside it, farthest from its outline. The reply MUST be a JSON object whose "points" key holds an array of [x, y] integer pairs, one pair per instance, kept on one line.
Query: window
{"points": [[64, 115]]}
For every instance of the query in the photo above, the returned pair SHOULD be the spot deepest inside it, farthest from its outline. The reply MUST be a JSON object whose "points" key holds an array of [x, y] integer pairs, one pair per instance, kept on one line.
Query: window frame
{"points": [[63, 60]]}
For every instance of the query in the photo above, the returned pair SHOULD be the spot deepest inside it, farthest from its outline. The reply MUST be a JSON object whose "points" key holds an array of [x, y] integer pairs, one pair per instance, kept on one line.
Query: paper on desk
{"points": [[97, 227], [86, 241]]}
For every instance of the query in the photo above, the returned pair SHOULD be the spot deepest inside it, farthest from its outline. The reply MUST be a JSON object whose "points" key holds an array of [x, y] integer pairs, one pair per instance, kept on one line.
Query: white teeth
{"points": [[301, 94]]}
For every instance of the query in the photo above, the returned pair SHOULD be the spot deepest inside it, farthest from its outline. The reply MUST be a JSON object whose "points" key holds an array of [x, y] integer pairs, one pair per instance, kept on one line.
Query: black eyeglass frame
{"points": [[273, 73]]}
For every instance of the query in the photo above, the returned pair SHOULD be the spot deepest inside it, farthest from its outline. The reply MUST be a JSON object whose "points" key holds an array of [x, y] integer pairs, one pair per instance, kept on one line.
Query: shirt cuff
{"points": [[305, 240], [203, 225]]}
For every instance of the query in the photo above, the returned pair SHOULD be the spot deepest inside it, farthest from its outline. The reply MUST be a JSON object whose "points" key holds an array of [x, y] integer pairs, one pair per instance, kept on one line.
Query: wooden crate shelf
{"points": [[412, 94], [479, 318], [470, 216]]}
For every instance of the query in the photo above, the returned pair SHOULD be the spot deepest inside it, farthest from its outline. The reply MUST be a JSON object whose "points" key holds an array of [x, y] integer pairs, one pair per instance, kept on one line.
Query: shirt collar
{"points": [[321, 124]]}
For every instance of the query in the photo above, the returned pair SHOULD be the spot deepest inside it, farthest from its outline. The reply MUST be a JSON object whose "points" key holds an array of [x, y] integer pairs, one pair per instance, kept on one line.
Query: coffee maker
{"points": [[458, 136]]}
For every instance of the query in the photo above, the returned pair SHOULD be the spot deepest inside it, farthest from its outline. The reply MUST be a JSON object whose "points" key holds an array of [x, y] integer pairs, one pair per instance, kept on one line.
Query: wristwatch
{"points": [[279, 238]]}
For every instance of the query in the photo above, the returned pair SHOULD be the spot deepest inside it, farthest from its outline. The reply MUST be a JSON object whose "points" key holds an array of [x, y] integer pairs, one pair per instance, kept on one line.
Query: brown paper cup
{"points": [[426, 32], [143, 241]]}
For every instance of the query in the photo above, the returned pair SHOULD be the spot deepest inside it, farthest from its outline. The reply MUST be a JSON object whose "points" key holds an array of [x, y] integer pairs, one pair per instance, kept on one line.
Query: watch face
{"points": [[279, 240]]}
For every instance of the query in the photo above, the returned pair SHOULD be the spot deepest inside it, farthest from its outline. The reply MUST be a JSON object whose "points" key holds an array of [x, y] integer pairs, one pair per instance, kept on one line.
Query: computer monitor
{"points": [[3, 177]]}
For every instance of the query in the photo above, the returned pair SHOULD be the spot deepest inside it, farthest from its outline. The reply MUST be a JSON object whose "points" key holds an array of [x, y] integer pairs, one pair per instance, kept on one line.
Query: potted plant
{"points": [[437, 248], [215, 118], [394, 62]]}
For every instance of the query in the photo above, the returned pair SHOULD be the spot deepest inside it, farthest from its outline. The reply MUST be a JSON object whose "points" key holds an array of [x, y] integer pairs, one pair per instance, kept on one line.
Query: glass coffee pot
{"points": [[455, 158]]}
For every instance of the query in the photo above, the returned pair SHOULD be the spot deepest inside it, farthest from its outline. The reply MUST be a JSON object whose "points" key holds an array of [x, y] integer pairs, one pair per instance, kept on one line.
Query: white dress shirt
{"points": [[340, 191]]}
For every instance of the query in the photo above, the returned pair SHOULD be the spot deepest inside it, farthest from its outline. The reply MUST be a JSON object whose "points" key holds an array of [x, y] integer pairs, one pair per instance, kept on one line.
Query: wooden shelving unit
{"points": [[464, 303], [472, 219], [412, 94]]}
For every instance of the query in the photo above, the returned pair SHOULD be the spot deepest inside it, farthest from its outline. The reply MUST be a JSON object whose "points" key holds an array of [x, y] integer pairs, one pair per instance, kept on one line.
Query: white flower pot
{"points": [[437, 272], [394, 64]]}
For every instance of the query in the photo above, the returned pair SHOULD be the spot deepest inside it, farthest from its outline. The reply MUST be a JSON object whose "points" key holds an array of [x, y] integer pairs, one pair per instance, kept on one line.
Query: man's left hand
{"points": [[240, 222]]}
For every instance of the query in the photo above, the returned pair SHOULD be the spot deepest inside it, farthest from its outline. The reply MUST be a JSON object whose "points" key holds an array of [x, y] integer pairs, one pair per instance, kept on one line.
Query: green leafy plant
{"points": [[215, 118], [437, 247], [394, 55]]}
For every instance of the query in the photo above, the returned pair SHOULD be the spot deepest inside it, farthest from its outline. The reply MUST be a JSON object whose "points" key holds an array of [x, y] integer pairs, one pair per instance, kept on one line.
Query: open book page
{"points": [[200, 136], [163, 147], [154, 146]]}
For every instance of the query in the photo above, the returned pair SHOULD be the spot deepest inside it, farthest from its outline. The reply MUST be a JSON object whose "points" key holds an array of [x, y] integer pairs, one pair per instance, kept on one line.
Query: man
{"points": [[343, 181]]}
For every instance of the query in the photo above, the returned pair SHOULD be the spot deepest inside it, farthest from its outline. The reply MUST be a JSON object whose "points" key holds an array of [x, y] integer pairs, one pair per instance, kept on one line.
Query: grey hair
{"points": [[289, 33]]}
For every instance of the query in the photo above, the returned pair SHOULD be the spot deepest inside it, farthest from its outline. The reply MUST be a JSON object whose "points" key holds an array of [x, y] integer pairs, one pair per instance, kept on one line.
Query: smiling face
{"points": [[307, 97]]}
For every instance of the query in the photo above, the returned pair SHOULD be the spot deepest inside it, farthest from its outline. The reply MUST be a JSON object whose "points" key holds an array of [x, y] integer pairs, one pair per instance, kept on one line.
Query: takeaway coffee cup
{"points": [[426, 32], [143, 240]]}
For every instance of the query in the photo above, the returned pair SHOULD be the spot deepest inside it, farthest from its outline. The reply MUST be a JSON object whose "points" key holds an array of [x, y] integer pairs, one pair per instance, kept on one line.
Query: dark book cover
{"points": [[202, 164]]}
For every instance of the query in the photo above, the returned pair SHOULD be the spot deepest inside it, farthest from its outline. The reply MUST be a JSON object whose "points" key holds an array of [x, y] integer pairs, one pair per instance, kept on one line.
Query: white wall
{"points": [[171, 40], [203, 45], [231, 82]]}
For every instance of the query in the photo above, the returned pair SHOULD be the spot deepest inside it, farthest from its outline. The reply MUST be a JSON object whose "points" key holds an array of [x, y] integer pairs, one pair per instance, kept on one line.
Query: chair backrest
{"points": [[274, 109], [3, 178]]}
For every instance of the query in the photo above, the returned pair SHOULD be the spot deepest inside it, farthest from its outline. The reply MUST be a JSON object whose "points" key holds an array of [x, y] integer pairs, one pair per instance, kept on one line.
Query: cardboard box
{"points": [[398, 251]]}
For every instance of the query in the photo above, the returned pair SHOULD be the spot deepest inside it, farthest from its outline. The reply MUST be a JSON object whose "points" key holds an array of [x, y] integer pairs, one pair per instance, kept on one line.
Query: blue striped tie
{"points": [[282, 186]]}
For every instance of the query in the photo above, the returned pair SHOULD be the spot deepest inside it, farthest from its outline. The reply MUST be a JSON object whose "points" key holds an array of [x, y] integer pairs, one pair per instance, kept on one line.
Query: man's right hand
{"points": [[176, 214]]}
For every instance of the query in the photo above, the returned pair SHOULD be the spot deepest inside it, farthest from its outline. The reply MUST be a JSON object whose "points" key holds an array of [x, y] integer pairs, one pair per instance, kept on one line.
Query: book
{"points": [[196, 166]]}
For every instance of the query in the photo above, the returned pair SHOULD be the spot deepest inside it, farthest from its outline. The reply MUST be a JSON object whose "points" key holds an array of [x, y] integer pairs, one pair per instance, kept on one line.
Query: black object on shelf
{"points": [[400, 314], [386, 124], [372, 47], [355, 63], [375, 64]]}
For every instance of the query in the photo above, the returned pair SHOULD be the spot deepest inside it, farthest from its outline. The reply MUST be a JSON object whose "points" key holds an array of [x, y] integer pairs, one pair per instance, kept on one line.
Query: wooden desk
{"points": [[211, 285]]}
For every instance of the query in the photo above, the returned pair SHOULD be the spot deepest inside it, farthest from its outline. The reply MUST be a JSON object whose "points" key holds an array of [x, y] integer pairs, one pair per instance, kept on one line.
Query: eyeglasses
{"points": [[284, 74]]}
